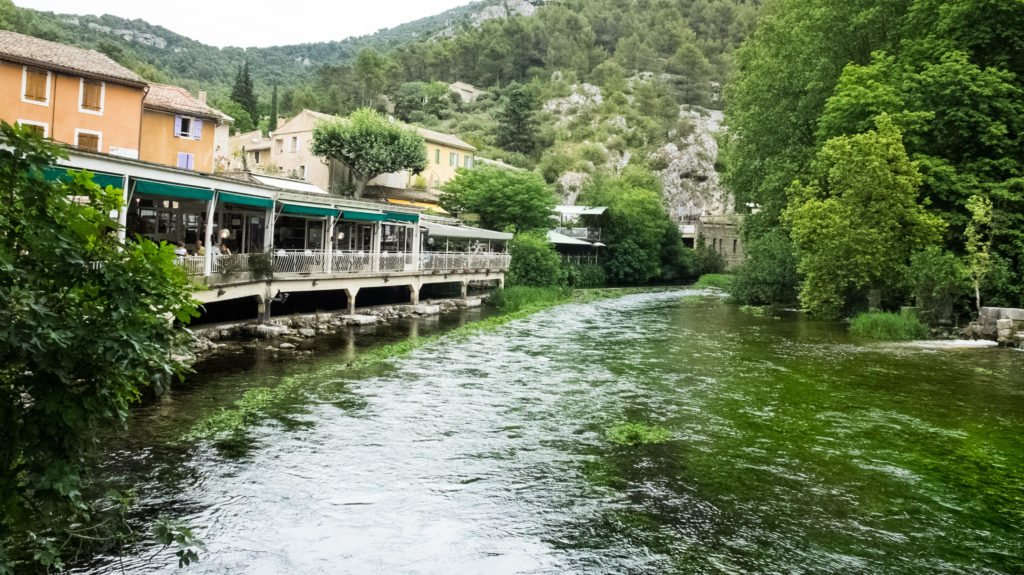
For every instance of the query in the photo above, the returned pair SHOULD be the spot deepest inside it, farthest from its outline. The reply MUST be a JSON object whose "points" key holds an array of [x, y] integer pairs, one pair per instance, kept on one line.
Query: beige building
{"points": [[465, 92], [722, 234], [287, 152]]}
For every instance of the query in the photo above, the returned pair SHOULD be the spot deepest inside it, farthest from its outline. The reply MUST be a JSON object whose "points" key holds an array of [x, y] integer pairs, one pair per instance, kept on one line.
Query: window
{"points": [[280, 146], [256, 157], [35, 86], [38, 128], [453, 159], [188, 127], [90, 96], [468, 161], [294, 144], [437, 155], [186, 161], [734, 245], [89, 140], [303, 173]]}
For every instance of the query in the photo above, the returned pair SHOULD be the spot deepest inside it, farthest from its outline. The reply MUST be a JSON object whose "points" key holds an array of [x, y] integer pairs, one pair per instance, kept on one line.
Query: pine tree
{"points": [[518, 128], [243, 92]]}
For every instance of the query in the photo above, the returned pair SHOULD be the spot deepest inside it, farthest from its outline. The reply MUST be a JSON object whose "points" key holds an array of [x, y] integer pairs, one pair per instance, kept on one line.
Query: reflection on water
{"points": [[793, 450]]}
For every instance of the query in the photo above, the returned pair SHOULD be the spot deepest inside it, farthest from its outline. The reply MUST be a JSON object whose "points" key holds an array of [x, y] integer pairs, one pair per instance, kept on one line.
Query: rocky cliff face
{"points": [[691, 186]]}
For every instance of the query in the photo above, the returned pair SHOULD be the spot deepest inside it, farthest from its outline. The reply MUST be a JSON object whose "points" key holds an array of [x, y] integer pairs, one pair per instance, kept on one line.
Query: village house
{"points": [[181, 130], [71, 95]]}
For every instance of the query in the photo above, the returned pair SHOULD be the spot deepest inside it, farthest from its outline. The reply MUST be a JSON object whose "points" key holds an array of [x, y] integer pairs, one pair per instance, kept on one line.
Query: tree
{"points": [[243, 93], [243, 122], [856, 224], [371, 145], [504, 199], [517, 128], [534, 262], [272, 123], [979, 243], [86, 327]]}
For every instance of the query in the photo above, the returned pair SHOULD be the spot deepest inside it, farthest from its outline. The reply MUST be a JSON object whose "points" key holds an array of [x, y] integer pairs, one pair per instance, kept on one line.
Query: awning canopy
{"points": [[581, 210], [303, 210], [245, 200], [60, 174], [563, 240], [426, 206], [289, 184], [155, 188], [446, 231], [362, 216], [400, 217]]}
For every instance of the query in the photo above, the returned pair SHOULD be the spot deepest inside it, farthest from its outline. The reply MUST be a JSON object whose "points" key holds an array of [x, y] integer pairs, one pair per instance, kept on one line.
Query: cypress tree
{"points": [[272, 124], [243, 92]]}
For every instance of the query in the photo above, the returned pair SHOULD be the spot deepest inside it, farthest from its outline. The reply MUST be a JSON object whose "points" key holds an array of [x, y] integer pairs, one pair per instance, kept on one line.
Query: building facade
{"points": [[179, 129], [74, 96]]}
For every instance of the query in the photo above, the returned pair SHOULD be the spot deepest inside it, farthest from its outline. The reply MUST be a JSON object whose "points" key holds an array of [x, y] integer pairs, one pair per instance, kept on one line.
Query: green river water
{"points": [[792, 449]]}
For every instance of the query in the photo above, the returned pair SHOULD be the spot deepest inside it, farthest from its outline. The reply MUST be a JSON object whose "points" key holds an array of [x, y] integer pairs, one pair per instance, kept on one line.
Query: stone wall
{"points": [[1003, 324]]}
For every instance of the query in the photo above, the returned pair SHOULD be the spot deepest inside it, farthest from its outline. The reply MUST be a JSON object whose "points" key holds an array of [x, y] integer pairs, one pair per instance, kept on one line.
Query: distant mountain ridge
{"points": [[156, 51]]}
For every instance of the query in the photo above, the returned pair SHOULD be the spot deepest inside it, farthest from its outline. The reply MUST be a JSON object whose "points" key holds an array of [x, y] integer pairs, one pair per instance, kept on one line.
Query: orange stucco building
{"points": [[78, 97], [179, 129]]}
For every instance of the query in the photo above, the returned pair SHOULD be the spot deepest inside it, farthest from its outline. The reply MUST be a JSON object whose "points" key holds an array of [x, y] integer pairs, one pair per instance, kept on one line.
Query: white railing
{"points": [[306, 262]]}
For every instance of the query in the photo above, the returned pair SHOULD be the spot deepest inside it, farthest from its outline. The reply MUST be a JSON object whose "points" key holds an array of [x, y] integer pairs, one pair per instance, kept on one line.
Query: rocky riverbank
{"points": [[285, 333]]}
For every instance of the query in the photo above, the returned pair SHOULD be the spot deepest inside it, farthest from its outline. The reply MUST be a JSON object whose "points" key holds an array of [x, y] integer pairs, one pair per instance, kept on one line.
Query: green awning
{"points": [[60, 174], [173, 190], [363, 216], [244, 200], [300, 210], [400, 217]]}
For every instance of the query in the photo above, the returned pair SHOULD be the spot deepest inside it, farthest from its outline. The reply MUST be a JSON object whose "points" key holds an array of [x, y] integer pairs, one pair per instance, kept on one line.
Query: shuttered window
{"points": [[37, 129], [88, 141], [37, 83], [186, 161], [92, 95], [188, 127]]}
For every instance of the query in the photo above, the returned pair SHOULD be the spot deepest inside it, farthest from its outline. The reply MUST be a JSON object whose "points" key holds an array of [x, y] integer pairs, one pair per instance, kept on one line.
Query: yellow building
{"points": [[78, 97], [178, 129], [445, 154]]}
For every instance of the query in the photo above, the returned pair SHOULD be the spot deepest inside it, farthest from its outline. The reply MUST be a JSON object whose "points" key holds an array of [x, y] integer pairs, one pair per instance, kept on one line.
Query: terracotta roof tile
{"points": [[177, 99], [443, 139], [61, 57]]}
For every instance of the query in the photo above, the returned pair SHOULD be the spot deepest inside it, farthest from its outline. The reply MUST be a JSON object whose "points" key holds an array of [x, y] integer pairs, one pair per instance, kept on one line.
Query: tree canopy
{"points": [[504, 199], [87, 325], [371, 145]]}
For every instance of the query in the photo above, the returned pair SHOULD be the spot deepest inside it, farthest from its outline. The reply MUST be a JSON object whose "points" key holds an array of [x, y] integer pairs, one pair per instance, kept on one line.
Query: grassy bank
{"points": [[716, 281], [884, 326]]}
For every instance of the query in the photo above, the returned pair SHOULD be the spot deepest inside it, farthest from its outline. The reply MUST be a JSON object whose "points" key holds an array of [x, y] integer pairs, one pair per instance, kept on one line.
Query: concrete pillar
{"points": [[464, 288], [501, 282], [350, 295], [414, 294], [262, 309]]}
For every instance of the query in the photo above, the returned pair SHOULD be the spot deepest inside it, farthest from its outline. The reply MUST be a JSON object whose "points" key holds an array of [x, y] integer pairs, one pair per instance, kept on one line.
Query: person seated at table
{"points": [[200, 248], [180, 250], [225, 250]]}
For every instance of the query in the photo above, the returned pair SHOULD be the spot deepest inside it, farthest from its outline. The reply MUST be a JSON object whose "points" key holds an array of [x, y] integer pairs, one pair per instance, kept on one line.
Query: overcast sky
{"points": [[258, 22]]}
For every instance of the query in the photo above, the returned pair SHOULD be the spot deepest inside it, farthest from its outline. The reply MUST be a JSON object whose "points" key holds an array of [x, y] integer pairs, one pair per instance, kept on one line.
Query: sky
{"points": [[258, 22]]}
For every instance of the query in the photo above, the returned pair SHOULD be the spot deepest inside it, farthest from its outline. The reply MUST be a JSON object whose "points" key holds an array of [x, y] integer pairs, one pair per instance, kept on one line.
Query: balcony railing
{"points": [[307, 262]]}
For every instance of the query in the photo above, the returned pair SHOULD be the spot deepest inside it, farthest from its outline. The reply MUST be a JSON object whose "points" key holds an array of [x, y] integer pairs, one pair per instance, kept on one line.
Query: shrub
{"points": [[717, 281], [768, 276], [937, 279], [629, 263], [534, 262], [707, 261], [887, 326], [584, 275], [516, 298]]}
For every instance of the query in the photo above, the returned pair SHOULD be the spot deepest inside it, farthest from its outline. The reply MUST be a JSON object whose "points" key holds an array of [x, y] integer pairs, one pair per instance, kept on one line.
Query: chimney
{"points": [[202, 97]]}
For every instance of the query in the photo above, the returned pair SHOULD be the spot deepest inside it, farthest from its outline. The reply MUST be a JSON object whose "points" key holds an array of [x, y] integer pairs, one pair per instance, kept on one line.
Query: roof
{"points": [[557, 238], [422, 205], [580, 210], [446, 231], [288, 184], [443, 139], [24, 49], [169, 98], [302, 122]]}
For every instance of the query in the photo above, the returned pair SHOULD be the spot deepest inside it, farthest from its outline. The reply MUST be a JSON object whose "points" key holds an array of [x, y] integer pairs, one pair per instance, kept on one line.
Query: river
{"points": [[792, 449]]}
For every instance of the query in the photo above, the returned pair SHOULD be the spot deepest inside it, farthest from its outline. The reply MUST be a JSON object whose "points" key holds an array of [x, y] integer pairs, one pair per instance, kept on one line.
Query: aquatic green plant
{"points": [[633, 434], [715, 281], [888, 326]]}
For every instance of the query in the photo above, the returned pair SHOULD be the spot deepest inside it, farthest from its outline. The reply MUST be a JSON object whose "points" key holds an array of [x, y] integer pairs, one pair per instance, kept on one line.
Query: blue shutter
{"points": [[182, 160], [191, 161], [177, 126], [197, 128]]}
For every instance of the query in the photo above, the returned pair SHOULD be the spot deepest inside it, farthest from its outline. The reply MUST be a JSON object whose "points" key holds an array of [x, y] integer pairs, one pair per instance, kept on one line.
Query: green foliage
{"points": [[857, 223], [370, 145], [272, 122], [723, 282], [706, 260], [504, 199], [261, 265], [979, 243], [534, 262], [517, 127], [514, 299], [885, 326], [937, 280], [243, 121], [635, 434], [167, 533], [86, 327], [584, 275], [768, 276], [243, 94]]}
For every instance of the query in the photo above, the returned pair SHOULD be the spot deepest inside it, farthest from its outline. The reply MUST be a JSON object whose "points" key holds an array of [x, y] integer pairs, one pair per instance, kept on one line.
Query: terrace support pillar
{"points": [[414, 294], [262, 309], [464, 288], [350, 297], [211, 208]]}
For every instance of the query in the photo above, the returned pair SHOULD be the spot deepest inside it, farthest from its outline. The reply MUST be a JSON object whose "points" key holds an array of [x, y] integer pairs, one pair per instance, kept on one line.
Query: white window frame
{"points": [[46, 127], [24, 85], [81, 97], [99, 136], [453, 159]]}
